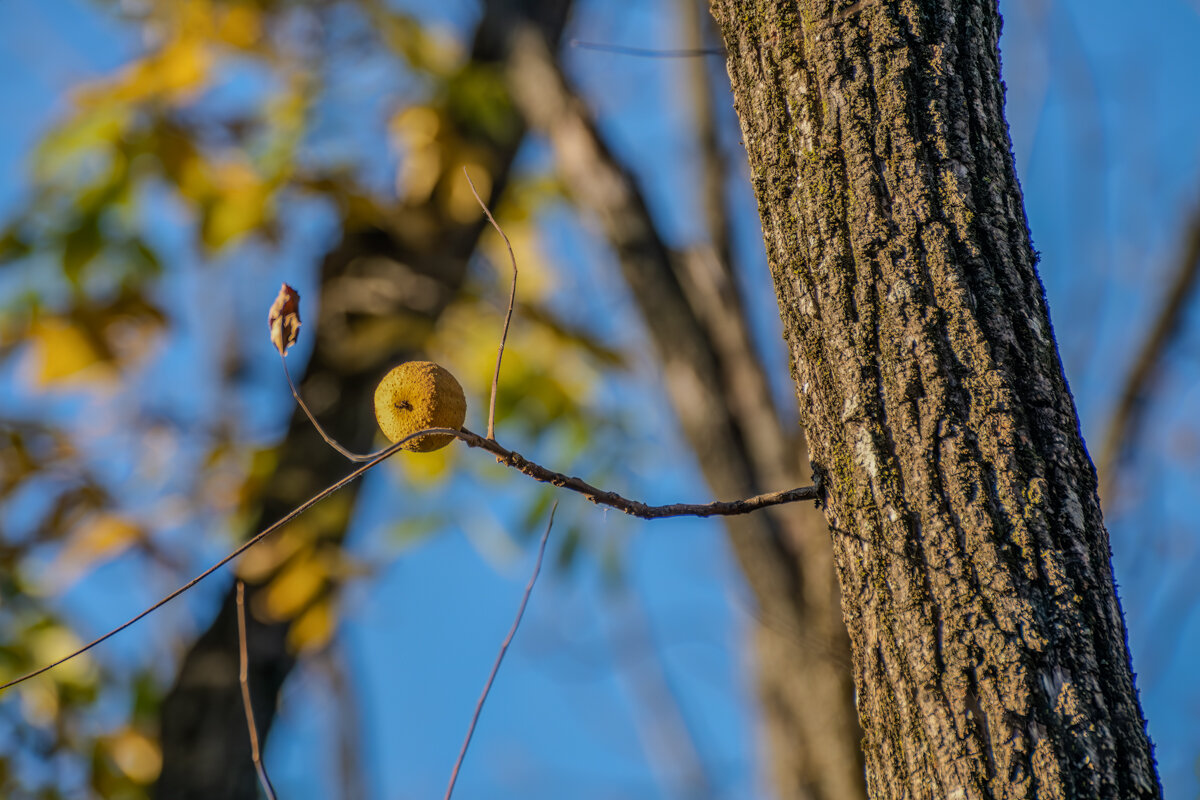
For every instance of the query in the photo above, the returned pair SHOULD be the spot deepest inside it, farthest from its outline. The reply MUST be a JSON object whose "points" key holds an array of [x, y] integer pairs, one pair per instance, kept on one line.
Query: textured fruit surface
{"points": [[417, 395]]}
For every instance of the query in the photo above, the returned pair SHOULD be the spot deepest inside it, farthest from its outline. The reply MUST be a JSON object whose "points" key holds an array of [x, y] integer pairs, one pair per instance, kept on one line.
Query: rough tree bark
{"points": [[421, 255], [989, 650]]}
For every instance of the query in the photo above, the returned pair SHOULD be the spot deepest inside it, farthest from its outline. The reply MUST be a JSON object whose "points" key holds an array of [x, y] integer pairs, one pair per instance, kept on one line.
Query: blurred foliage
{"points": [[152, 172]]}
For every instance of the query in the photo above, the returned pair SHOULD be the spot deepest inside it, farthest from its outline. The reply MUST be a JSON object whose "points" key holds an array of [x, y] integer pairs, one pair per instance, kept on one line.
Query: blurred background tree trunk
{"points": [[382, 290], [717, 383]]}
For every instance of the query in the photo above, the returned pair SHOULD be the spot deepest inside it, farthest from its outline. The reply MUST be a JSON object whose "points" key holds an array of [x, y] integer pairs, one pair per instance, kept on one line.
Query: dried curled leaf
{"points": [[284, 319]]}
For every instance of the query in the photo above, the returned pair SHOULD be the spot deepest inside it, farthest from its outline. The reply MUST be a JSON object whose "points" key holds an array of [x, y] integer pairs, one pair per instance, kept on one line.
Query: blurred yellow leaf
{"points": [[415, 126], [264, 558], [296, 586], [419, 173], [100, 538], [438, 50], [414, 133], [136, 755], [39, 701], [314, 628], [460, 204], [431, 468], [176, 72], [49, 644], [239, 25], [62, 150], [238, 204], [61, 350]]}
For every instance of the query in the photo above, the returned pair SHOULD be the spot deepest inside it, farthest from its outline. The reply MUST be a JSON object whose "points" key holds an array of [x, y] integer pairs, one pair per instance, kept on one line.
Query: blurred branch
{"points": [[668, 738], [712, 165], [690, 307], [718, 387], [1126, 422], [351, 770], [648, 52]]}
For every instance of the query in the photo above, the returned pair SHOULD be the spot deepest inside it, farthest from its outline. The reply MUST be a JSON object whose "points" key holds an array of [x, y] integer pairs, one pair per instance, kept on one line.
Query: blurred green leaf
{"points": [[477, 99], [568, 548], [80, 247], [13, 245], [411, 532]]}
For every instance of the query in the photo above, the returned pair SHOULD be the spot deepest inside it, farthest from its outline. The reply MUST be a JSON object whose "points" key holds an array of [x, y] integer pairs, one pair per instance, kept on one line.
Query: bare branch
{"points": [[667, 735], [512, 300], [487, 687], [633, 508], [1127, 417], [647, 52], [244, 680], [710, 164]]}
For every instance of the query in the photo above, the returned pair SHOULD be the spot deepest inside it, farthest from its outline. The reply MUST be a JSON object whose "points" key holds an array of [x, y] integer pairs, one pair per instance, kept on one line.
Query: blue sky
{"points": [[1104, 113]]}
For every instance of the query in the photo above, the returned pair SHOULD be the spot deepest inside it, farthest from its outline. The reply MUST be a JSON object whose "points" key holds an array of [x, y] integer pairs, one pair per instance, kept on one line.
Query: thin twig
{"points": [[291, 515], [487, 687], [503, 456], [512, 300], [645, 52], [244, 680], [311, 418]]}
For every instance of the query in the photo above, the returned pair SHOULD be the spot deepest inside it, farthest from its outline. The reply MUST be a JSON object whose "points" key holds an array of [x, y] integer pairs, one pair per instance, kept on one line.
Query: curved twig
{"points": [[487, 687], [329, 440], [512, 300]]}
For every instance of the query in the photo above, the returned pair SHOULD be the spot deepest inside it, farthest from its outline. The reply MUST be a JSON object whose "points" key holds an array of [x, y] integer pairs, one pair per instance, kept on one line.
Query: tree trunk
{"points": [[718, 387], [989, 651]]}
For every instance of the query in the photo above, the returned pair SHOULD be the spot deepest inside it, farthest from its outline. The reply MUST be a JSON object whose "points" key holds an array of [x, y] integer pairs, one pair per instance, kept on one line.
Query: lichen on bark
{"points": [[990, 654]]}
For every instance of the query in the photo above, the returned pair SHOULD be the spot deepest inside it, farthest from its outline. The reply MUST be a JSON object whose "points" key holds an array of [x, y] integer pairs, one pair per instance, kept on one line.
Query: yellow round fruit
{"points": [[417, 395]]}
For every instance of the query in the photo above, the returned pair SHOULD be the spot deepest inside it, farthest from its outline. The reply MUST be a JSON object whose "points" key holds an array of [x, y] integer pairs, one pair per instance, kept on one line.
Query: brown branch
{"points": [[1127, 418], [487, 687], [244, 680], [504, 456], [512, 300], [633, 508]]}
